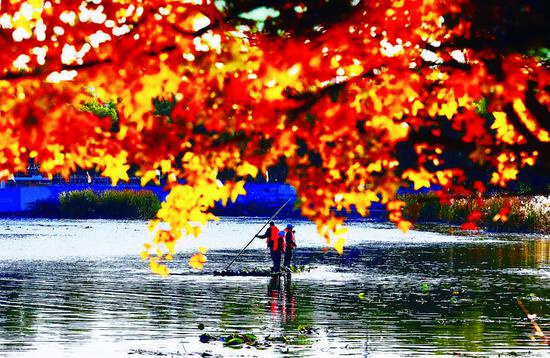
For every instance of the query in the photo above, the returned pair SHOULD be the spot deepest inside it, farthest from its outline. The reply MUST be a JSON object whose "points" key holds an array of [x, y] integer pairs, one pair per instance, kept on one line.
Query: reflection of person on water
{"points": [[276, 244], [290, 245], [281, 298]]}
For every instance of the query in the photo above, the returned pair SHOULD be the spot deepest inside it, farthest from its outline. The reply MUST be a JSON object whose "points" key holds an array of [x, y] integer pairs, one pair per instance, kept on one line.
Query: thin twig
{"points": [[535, 325]]}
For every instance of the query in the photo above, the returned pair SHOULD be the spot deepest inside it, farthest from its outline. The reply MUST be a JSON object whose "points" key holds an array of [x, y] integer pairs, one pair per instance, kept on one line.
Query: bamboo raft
{"points": [[257, 273], [253, 273]]}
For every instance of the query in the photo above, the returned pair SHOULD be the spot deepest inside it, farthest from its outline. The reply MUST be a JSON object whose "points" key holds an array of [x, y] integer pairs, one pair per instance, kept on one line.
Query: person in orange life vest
{"points": [[278, 251], [270, 234], [290, 245], [275, 244]]}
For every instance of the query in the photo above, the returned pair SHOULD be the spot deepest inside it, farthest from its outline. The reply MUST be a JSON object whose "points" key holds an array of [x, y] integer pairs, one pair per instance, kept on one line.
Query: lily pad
{"points": [[234, 341]]}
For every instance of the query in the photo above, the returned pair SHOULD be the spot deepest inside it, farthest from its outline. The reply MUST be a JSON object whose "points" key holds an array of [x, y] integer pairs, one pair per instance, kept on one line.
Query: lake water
{"points": [[77, 288]]}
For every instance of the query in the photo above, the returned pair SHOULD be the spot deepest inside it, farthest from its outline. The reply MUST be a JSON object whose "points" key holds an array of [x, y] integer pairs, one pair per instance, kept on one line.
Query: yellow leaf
{"points": [[404, 225], [148, 176], [375, 166], [195, 231], [170, 245], [158, 268], [236, 190], [420, 178], [339, 245], [116, 167], [197, 261], [417, 105], [152, 225], [247, 169], [154, 85], [398, 132], [187, 156], [449, 109], [354, 70], [395, 205], [165, 165], [505, 131]]}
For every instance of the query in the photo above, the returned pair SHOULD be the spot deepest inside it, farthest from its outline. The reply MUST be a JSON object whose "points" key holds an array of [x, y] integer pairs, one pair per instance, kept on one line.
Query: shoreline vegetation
{"points": [[108, 204], [527, 214]]}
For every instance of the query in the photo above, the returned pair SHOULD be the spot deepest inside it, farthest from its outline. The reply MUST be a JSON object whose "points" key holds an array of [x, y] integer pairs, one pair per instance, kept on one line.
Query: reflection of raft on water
{"points": [[261, 273]]}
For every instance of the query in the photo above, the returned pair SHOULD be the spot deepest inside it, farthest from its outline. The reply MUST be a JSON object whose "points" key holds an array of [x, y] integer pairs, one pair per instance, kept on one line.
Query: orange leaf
{"points": [[469, 226], [474, 216]]}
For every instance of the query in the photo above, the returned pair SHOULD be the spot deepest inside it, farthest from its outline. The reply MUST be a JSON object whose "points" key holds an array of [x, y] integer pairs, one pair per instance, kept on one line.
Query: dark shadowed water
{"points": [[78, 288]]}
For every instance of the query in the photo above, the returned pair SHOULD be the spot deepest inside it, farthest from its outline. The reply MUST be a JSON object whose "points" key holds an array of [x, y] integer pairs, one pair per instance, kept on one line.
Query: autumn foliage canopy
{"points": [[357, 99]]}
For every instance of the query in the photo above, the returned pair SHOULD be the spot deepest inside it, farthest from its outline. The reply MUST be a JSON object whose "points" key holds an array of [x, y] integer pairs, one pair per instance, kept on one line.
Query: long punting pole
{"points": [[259, 231]]}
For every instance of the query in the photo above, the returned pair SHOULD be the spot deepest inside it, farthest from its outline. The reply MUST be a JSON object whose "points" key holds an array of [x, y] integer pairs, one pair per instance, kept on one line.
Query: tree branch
{"points": [[197, 33]]}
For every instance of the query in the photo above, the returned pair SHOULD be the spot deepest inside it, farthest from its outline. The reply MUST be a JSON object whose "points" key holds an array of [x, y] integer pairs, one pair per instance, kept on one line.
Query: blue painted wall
{"points": [[19, 199], [262, 199]]}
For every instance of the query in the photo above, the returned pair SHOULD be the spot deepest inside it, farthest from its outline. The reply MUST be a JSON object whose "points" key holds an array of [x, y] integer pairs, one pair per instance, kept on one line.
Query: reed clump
{"points": [[526, 213]]}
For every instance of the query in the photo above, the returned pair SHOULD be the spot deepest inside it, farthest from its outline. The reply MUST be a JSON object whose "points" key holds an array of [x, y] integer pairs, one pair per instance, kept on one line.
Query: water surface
{"points": [[78, 288]]}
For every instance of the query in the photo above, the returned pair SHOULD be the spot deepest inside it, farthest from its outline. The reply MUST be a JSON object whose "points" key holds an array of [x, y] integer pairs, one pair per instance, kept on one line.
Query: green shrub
{"points": [[129, 204], [430, 208], [78, 204], [112, 204], [411, 211], [457, 210], [421, 207], [44, 209]]}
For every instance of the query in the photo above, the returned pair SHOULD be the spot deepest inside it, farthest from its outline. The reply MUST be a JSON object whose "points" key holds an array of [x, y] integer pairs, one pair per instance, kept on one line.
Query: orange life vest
{"points": [[278, 242], [273, 237]]}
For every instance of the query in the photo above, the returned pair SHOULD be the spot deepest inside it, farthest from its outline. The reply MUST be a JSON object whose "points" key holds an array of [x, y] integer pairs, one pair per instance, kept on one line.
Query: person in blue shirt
{"points": [[290, 245]]}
